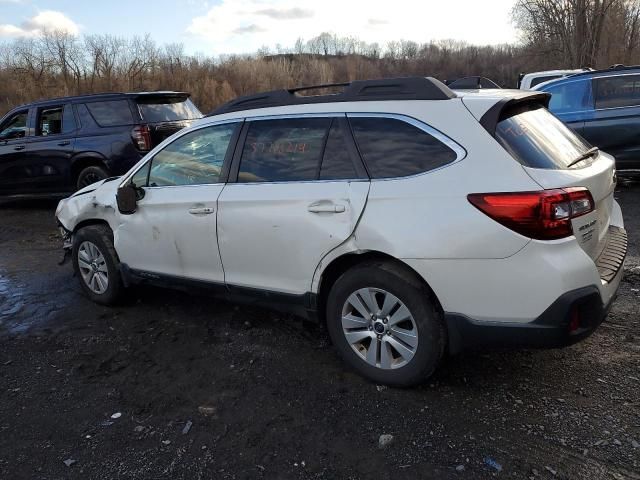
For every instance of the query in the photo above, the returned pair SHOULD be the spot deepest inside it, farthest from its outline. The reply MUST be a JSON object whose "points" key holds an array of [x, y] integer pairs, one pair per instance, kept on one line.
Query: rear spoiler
{"points": [[492, 116]]}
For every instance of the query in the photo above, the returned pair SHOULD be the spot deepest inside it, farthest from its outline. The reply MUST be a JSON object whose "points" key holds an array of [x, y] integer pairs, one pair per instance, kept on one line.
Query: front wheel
{"points": [[385, 325], [96, 264], [90, 175]]}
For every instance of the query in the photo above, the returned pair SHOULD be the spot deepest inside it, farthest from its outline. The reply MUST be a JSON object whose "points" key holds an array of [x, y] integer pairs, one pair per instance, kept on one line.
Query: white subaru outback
{"points": [[413, 220]]}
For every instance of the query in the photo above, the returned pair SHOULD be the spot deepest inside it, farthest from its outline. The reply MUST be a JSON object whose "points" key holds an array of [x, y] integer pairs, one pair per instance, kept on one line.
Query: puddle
{"points": [[11, 300], [25, 306]]}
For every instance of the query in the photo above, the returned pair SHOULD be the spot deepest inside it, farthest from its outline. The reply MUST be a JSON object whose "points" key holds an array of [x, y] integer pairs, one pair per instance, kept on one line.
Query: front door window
{"points": [[14, 127]]}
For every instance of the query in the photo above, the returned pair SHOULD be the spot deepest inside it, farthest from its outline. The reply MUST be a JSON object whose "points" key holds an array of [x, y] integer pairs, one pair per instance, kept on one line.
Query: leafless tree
{"points": [[573, 31]]}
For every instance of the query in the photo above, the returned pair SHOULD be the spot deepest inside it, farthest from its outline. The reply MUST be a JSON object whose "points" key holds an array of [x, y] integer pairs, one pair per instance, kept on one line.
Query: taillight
{"points": [[543, 215], [141, 137]]}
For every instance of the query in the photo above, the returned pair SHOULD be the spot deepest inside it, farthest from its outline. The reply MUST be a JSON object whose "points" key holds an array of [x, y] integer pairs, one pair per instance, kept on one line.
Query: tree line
{"points": [[555, 34]]}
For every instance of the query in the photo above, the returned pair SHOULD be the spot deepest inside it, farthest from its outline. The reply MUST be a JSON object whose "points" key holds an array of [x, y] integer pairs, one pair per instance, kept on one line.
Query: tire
{"points": [[420, 335], [95, 258], [89, 175]]}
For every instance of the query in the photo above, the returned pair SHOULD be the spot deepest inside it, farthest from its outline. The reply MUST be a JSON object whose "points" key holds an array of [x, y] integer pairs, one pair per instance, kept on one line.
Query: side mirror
{"points": [[127, 199]]}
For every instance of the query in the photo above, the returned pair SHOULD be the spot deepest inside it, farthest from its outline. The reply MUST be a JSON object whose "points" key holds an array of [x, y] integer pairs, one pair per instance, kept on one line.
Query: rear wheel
{"points": [[89, 175], [385, 325], [96, 264]]}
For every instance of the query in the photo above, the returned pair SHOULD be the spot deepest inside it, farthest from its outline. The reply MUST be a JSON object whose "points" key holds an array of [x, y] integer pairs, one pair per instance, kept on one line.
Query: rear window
{"points": [[155, 109], [111, 113], [537, 139]]}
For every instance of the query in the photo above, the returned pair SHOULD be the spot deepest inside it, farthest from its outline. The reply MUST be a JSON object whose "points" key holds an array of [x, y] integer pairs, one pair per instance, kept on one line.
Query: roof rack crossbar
{"points": [[403, 88]]}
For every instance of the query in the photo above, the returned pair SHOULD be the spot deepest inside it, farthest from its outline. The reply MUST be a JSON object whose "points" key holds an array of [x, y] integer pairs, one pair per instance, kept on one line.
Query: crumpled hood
{"points": [[97, 200], [91, 188]]}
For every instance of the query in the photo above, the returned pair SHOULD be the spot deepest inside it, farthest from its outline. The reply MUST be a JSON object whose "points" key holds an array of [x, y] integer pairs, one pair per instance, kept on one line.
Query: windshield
{"points": [[537, 139], [168, 109]]}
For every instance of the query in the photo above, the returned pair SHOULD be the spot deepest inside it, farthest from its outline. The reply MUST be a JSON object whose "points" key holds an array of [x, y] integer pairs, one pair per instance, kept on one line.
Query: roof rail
{"points": [[616, 67], [404, 88]]}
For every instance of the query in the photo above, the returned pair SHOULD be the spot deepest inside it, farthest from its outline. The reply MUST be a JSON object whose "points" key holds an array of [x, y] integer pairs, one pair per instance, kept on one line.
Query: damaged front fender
{"points": [[95, 202]]}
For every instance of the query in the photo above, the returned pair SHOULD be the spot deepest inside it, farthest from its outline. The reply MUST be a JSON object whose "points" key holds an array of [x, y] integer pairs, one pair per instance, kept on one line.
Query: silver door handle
{"points": [[330, 208], [201, 211]]}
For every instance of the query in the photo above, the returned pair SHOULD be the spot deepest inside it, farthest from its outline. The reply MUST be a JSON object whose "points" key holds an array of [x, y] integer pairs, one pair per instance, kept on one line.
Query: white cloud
{"points": [[240, 26], [294, 13], [45, 20]]}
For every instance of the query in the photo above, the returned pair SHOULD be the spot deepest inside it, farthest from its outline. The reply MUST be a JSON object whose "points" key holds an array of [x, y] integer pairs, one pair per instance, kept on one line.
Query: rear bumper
{"points": [[572, 317], [552, 329]]}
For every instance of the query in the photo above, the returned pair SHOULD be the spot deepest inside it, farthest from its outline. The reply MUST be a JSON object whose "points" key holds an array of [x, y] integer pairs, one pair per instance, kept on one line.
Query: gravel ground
{"points": [[176, 386]]}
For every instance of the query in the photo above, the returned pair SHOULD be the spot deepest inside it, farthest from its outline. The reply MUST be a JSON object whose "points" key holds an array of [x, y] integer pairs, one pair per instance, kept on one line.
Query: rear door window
{"points": [[618, 91], [336, 161], [574, 96], [55, 121], [537, 139], [111, 113], [49, 121], [394, 148], [167, 109], [283, 150], [68, 119]]}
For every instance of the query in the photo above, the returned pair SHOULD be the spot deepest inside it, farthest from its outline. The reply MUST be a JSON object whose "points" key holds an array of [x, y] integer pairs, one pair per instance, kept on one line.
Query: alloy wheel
{"points": [[380, 328], [93, 267]]}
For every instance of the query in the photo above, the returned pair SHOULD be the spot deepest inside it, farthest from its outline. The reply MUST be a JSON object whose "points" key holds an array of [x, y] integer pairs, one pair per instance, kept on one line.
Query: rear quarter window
{"points": [[619, 91], [111, 113], [394, 148]]}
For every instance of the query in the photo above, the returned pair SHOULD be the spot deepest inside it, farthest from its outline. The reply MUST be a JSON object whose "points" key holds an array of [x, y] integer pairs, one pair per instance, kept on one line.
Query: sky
{"points": [[217, 27]]}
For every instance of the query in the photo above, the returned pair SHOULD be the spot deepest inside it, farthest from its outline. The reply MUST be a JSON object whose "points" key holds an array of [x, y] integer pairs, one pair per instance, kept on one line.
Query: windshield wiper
{"points": [[589, 153]]}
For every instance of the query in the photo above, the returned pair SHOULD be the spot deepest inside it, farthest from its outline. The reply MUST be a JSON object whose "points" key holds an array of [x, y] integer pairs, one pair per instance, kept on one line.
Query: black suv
{"points": [[57, 146]]}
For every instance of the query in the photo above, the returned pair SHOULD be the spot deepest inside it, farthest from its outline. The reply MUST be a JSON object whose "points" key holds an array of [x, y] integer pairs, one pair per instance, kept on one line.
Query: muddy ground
{"points": [[267, 397]]}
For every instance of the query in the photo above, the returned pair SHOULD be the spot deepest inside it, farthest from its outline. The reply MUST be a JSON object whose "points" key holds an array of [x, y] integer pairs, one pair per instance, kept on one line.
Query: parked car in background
{"points": [[471, 83], [527, 81], [603, 106], [60, 145], [413, 220]]}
